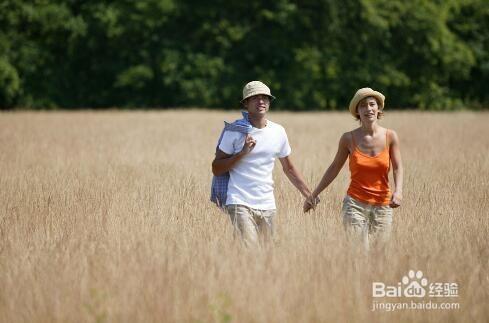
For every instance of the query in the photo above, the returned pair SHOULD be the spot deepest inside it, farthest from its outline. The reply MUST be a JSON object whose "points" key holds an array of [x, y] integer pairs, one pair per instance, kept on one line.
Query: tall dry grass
{"points": [[105, 217]]}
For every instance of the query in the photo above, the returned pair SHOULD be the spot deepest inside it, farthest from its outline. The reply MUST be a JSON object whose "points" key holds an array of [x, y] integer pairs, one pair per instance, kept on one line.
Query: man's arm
{"points": [[223, 162], [397, 169], [294, 176]]}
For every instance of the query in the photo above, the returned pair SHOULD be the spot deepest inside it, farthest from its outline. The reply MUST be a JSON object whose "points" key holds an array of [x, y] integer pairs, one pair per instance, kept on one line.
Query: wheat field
{"points": [[105, 217]]}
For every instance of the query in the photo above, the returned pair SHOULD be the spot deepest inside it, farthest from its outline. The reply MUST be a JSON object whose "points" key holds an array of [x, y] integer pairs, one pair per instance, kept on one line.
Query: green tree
{"points": [[313, 53]]}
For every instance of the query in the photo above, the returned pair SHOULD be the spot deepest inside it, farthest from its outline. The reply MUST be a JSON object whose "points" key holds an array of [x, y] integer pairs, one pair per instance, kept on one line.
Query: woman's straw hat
{"points": [[362, 94], [254, 88]]}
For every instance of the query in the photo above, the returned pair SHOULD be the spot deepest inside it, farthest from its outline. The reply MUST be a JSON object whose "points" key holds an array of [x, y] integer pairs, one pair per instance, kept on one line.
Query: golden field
{"points": [[105, 217]]}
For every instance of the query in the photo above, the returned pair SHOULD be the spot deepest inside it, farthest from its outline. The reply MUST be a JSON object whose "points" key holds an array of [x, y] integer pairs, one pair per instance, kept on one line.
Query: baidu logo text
{"points": [[414, 284]]}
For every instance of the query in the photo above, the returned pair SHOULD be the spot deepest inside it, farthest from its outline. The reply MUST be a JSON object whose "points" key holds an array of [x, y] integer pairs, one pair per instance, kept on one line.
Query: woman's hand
{"points": [[395, 200], [311, 203]]}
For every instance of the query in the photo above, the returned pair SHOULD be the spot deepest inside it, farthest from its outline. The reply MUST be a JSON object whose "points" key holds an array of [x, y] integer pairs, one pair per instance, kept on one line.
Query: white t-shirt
{"points": [[251, 181]]}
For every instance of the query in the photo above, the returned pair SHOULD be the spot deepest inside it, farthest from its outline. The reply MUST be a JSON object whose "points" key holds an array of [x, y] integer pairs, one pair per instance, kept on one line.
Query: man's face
{"points": [[257, 104]]}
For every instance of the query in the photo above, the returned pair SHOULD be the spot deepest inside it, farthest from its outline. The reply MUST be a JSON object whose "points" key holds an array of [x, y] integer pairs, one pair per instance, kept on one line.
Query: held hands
{"points": [[395, 200], [249, 144], [311, 203]]}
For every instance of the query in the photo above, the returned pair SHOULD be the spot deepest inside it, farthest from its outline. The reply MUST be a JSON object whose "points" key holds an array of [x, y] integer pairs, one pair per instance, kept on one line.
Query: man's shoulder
{"points": [[233, 134], [274, 125]]}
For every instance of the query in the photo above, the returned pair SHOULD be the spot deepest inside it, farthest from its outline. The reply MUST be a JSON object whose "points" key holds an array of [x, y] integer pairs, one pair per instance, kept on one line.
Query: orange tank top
{"points": [[370, 176]]}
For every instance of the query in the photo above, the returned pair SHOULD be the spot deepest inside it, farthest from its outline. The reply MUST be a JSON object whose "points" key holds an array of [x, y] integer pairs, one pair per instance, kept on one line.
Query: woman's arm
{"points": [[395, 153], [331, 172]]}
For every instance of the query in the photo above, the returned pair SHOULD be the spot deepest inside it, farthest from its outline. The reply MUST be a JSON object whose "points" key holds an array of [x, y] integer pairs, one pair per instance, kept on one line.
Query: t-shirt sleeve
{"points": [[285, 149], [227, 142]]}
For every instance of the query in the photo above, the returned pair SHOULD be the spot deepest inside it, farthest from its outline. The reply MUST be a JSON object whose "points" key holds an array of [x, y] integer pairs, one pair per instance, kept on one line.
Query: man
{"points": [[249, 159]]}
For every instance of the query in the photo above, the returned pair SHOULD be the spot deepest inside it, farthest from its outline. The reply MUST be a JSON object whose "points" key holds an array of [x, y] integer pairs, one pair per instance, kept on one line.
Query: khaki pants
{"points": [[251, 224], [366, 223]]}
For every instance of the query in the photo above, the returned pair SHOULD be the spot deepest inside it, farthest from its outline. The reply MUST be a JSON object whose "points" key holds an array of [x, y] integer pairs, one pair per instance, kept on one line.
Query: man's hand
{"points": [[395, 200], [311, 203], [249, 144]]}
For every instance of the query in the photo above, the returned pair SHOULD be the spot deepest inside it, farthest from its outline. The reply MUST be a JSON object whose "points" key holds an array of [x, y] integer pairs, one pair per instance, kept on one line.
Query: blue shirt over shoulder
{"points": [[219, 186]]}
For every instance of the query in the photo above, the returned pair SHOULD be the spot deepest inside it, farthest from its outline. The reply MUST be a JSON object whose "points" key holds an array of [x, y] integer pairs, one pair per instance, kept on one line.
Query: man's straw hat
{"points": [[362, 94], [255, 88]]}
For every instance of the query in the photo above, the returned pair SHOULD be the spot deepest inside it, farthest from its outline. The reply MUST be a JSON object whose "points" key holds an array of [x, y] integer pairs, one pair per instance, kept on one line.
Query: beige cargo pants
{"points": [[366, 223], [252, 225]]}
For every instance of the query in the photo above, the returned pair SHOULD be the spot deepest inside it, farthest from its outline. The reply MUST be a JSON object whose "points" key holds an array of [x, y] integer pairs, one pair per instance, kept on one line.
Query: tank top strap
{"points": [[353, 140], [386, 139]]}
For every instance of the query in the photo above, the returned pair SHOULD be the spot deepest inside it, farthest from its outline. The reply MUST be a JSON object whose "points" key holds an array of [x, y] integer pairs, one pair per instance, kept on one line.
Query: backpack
{"points": [[219, 187]]}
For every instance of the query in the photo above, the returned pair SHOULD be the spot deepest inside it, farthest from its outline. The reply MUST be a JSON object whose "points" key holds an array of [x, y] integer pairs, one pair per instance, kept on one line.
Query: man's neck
{"points": [[260, 122]]}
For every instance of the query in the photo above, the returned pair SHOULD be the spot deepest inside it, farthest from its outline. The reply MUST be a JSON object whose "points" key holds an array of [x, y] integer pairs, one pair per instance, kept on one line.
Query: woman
{"points": [[367, 207]]}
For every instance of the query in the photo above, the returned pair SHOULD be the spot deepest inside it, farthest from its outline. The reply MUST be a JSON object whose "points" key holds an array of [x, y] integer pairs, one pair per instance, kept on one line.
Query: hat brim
{"points": [[258, 93]]}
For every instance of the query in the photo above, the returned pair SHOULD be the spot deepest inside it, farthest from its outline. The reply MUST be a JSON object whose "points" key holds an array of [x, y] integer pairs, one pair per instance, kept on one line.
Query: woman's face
{"points": [[368, 109]]}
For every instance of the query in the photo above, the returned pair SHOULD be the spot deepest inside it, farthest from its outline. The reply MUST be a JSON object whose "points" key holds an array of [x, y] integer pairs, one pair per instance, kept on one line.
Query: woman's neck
{"points": [[370, 127]]}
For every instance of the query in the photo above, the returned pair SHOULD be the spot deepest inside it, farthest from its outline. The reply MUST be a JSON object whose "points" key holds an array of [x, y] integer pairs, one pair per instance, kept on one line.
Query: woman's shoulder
{"points": [[391, 136], [346, 135], [347, 138], [349, 134]]}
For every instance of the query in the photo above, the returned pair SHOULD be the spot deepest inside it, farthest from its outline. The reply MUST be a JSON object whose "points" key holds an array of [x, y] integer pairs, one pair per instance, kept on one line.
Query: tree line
{"points": [[314, 54]]}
